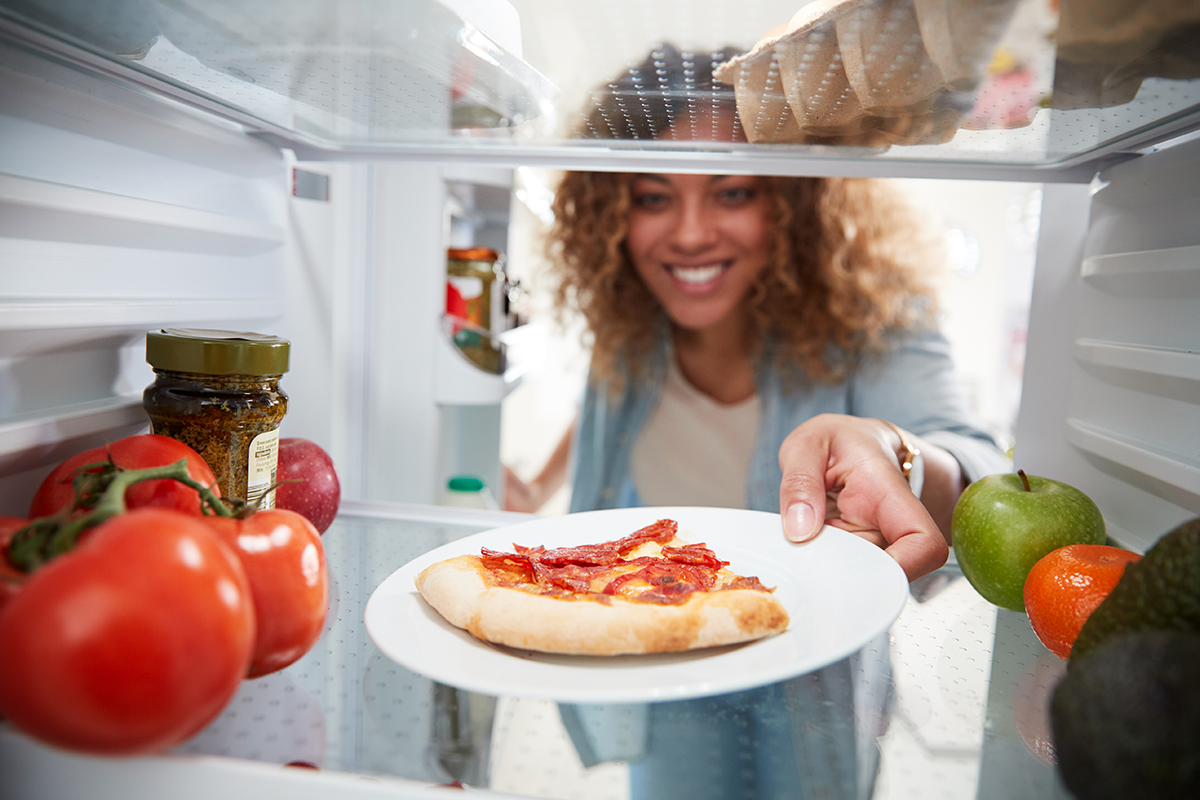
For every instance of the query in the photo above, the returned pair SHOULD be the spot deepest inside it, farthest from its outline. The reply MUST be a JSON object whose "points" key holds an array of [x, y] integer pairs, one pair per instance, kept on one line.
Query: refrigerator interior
{"points": [[301, 167]]}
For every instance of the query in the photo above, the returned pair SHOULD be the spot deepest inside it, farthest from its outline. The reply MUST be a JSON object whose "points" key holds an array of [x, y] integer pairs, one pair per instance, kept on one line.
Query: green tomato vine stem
{"points": [[100, 493]]}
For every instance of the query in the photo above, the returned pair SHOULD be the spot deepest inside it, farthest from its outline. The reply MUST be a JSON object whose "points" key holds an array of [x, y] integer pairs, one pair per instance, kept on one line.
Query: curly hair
{"points": [[848, 266]]}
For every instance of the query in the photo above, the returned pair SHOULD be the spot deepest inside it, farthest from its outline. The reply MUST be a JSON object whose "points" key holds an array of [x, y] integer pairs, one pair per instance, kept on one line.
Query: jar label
{"points": [[465, 299], [262, 469]]}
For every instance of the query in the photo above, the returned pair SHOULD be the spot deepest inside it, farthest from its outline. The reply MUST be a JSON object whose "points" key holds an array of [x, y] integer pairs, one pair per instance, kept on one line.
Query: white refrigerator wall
{"points": [[118, 213], [1112, 381]]}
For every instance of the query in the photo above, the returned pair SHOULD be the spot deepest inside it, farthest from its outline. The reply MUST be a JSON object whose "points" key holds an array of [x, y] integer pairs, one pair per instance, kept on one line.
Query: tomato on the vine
{"points": [[139, 451], [289, 580], [131, 642]]}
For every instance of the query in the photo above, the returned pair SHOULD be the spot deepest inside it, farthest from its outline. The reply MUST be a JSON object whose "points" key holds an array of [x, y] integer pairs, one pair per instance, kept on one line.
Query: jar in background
{"points": [[475, 306], [473, 286], [218, 392]]}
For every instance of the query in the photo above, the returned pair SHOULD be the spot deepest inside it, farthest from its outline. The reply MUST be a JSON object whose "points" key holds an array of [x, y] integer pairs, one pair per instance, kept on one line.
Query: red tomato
{"points": [[132, 452], [285, 562], [131, 642]]}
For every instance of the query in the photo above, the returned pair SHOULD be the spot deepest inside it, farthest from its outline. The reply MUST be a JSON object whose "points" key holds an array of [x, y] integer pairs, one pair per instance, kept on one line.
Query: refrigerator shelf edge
{"points": [[796, 160], [51, 435], [42, 209], [1171, 272], [1175, 469], [37, 772], [71, 316], [1162, 361], [477, 518]]}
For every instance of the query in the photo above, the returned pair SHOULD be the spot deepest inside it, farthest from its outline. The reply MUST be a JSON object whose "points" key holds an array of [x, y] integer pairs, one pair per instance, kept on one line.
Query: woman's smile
{"points": [[699, 277]]}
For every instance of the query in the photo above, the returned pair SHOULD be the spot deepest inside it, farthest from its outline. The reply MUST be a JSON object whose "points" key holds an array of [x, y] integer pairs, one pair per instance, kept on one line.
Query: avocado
{"points": [[1159, 592], [1126, 719]]}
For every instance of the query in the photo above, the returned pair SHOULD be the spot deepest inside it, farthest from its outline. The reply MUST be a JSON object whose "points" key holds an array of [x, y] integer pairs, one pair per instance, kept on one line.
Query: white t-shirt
{"points": [[694, 451]]}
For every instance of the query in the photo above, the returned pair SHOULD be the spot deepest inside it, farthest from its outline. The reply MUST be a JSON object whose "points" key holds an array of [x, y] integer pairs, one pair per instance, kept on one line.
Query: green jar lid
{"points": [[465, 483], [209, 352]]}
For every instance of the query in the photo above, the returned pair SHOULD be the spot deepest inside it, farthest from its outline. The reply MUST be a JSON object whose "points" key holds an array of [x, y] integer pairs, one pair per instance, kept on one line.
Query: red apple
{"points": [[308, 483]]}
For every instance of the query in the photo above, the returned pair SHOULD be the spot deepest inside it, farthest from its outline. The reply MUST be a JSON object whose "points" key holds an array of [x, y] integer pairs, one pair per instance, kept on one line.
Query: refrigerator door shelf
{"points": [[470, 365], [461, 378]]}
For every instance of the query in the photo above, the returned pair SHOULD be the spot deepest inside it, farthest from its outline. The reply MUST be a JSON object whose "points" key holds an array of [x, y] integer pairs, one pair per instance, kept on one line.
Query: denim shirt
{"points": [[913, 386]]}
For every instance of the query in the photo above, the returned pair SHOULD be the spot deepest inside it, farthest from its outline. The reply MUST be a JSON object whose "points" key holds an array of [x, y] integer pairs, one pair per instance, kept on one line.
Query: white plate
{"points": [[839, 590]]}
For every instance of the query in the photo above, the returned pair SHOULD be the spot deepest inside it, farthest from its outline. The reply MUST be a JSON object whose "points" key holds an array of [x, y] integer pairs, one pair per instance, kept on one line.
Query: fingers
{"points": [[911, 536], [919, 554], [853, 461], [799, 522], [877, 504], [804, 458]]}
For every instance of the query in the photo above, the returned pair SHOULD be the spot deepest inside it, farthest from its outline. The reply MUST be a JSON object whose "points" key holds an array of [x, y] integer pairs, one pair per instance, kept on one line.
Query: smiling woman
{"points": [[758, 342], [785, 317], [812, 261]]}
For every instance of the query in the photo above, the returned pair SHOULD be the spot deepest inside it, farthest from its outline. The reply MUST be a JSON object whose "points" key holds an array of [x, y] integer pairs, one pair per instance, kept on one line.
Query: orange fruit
{"points": [[1064, 587]]}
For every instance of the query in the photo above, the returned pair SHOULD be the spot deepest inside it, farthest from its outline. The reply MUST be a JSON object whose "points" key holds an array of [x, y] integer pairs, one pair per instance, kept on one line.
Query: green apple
{"points": [[1004, 523]]}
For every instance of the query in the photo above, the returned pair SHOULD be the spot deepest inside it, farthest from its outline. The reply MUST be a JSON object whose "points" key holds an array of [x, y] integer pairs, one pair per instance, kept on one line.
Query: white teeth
{"points": [[697, 275]]}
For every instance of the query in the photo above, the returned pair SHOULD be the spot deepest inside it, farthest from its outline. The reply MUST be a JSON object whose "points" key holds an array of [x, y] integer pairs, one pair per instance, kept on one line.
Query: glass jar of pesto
{"points": [[218, 392]]}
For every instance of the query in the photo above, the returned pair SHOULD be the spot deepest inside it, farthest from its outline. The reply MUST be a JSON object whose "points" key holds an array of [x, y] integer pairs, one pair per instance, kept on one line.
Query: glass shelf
{"points": [[951, 702], [1025, 92]]}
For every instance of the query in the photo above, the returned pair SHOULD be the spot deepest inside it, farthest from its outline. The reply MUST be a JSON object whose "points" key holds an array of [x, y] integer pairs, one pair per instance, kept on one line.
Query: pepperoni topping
{"points": [[696, 554], [584, 555], [507, 567], [571, 576], [667, 582], [661, 532], [748, 582], [669, 578]]}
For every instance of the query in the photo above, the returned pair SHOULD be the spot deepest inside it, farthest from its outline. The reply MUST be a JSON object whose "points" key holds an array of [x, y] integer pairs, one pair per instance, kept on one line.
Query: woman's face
{"points": [[699, 243]]}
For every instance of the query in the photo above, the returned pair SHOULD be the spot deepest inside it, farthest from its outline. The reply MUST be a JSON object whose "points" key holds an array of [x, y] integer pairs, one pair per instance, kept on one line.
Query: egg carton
{"points": [[869, 73]]}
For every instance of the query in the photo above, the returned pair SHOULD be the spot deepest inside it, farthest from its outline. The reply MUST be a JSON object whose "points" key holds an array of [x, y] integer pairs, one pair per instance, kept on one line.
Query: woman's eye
{"points": [[736, 195], [650, 200]]}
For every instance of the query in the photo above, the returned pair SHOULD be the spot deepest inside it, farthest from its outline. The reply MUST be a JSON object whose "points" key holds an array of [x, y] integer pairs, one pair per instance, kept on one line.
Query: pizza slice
{"points": [[648, 592]]}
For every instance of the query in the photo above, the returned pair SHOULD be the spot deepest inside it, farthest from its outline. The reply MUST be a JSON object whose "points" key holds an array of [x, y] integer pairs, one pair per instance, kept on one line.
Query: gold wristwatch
{"points": [[912, 463]]}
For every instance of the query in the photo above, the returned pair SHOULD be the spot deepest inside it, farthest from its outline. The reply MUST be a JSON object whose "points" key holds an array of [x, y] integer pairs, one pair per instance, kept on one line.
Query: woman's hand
{"points": [[844, 471]]}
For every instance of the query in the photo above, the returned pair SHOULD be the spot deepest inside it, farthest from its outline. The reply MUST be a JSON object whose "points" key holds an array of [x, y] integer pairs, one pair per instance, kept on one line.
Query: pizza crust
{"points": [[458, 589]]}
